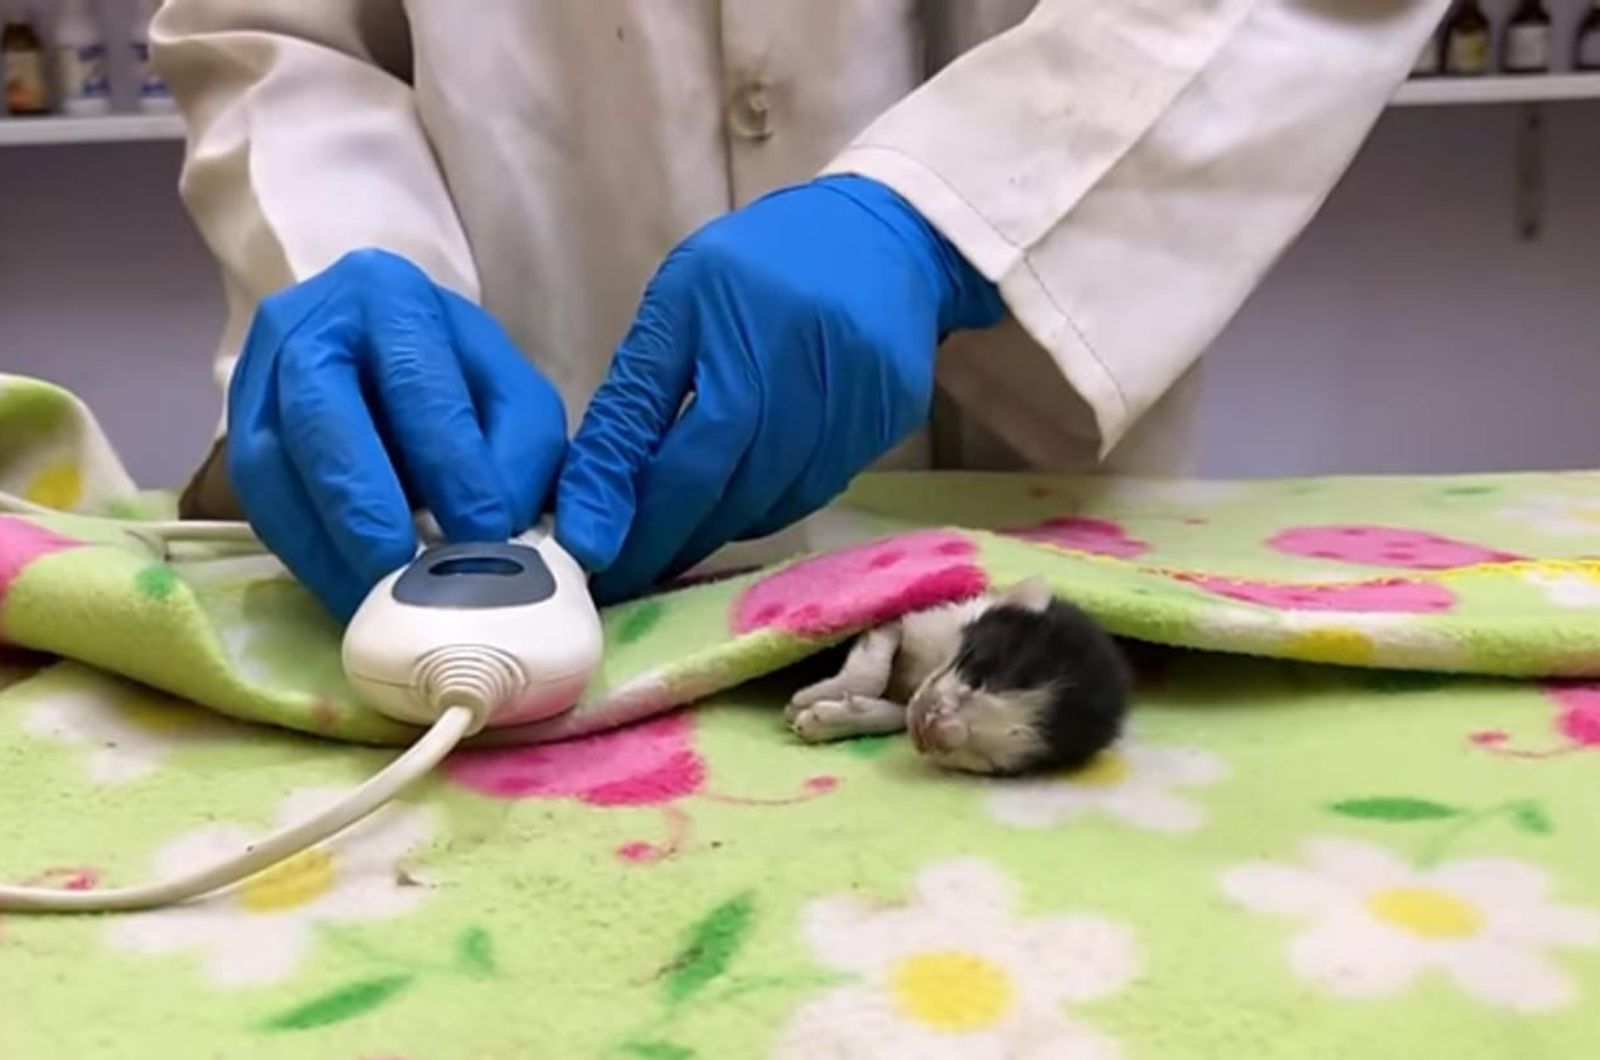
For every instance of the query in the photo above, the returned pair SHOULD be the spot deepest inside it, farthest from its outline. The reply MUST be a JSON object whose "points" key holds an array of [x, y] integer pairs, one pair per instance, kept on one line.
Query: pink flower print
{"points": [[1077, 533], [1385, 546], [1579, 720], [653, 763], [1388, 595], [862, 586], [22, 542], [640, 765], [1577, 723]]}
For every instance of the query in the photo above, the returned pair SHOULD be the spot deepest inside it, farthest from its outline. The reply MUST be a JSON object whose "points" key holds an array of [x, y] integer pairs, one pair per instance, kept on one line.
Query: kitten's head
{"points": [[1036, 685]]}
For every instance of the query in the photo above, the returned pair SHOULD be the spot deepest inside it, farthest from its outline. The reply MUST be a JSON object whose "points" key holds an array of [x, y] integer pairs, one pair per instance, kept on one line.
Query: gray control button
{"points": [[468, 577]]}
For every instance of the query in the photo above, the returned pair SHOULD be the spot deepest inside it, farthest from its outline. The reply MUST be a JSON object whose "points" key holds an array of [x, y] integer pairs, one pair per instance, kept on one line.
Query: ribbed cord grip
{"points": [[478, 677]]}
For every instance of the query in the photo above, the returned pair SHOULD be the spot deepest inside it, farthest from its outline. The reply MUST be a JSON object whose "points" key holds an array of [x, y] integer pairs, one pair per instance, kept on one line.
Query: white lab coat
{"points": [[1125, 170]]}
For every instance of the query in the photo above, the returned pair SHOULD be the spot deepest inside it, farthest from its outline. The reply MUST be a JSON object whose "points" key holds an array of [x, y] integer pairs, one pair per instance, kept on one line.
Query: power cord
{"points": [[463, 714], [464, 696]]}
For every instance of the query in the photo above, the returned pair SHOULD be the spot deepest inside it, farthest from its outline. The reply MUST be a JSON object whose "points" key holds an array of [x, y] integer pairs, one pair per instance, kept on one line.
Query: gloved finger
{"points": [[597, 496], [328, 436], [277, 504], [684, 482], [412, 365], [265, 481], [784, 445], [521, 414], [285, 518]]}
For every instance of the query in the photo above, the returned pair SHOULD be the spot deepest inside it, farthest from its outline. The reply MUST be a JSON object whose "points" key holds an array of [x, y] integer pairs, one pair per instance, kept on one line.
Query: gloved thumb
{"points": [[640, 399]]}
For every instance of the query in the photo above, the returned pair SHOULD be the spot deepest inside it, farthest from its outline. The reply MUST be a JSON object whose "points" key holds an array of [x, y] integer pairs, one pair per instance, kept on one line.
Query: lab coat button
{"points": [[750, 115]]}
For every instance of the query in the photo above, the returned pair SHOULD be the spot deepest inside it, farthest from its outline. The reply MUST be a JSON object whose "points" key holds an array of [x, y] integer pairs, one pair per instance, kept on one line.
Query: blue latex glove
{"points": [[803, 329], [366, 391]]}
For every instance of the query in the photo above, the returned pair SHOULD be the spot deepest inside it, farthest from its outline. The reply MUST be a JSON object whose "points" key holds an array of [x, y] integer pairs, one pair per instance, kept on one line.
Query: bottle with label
{"points": [[85, 84], [1526, 48], [154, 97], [22, 54], [1466, 41], [1586, 47]]}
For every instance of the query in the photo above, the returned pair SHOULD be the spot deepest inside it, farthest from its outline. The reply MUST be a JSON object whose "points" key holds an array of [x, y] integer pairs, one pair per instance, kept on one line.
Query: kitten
{"points": [[1001, 685]]}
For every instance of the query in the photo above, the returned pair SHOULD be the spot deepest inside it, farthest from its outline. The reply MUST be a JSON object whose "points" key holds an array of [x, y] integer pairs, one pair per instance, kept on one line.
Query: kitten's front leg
{"points": [[865, 673], [851, 703]]}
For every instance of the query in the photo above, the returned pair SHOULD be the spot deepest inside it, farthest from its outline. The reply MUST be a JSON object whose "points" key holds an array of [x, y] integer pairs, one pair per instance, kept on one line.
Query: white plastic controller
{"points": [[511, 625]]}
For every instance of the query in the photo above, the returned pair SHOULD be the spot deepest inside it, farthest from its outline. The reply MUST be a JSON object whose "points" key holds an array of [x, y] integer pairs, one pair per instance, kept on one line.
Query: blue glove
{"points": [[802, 332], [367, 391]]}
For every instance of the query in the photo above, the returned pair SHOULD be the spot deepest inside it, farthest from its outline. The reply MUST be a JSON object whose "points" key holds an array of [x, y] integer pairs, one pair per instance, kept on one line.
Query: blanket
{"points": [[1359, 820], [1477, 575]]}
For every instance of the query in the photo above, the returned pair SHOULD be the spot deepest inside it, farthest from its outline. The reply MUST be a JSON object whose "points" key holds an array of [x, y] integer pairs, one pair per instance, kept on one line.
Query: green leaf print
{"points": [[869, 746], [713, 942], [1395, 808], [475, 952], [640, 621], [658, 1051], [156, 582], [345, 1003], [1532, 819]]}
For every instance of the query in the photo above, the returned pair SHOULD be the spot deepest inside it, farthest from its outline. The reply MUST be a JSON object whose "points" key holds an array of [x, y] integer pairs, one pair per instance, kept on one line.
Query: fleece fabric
{"points": [[1359, 822]]}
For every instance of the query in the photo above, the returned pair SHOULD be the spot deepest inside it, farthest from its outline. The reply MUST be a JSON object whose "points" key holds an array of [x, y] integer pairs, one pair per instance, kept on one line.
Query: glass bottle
{"points": [[1586, 46], [1526, 46], [1466, 41], [23, 57]]}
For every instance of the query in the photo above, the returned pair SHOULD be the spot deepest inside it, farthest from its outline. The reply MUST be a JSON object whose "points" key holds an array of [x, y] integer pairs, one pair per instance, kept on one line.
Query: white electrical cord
{"points": [[455, 724], [166, 532], [464, 706]]}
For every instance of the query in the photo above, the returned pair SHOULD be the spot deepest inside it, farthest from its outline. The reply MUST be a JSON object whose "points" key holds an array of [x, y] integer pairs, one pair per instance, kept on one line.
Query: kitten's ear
{"points": [[1031, 595]]}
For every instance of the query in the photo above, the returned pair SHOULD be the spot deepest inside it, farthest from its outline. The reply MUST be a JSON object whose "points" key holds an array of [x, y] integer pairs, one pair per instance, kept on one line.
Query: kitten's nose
{"points": [[940, 734], [948, 734]]}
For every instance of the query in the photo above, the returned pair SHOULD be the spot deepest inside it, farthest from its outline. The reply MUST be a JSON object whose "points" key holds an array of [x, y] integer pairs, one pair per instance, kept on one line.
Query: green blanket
{"points": [[1396, 857]]}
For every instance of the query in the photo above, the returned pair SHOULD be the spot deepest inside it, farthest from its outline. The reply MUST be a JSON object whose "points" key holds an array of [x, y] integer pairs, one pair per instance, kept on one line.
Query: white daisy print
{"points": [[1373, 923], [1130, 782], [1557, 515], [1571, 589], [129, 729], [1343, 638], [258, 932], [954, 975]]}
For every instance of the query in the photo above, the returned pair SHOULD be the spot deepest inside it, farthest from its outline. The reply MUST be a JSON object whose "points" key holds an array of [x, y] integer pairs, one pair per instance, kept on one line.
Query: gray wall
{"points": [[1410, 330]]}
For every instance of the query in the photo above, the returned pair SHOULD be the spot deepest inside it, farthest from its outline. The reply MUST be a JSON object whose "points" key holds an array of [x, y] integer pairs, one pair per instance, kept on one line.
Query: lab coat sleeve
{"points": [[1127, 173], [303, 143]]}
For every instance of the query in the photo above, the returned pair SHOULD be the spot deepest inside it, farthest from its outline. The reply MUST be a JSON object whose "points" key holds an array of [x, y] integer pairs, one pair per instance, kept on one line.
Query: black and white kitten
{"points": [[1007, 684]]}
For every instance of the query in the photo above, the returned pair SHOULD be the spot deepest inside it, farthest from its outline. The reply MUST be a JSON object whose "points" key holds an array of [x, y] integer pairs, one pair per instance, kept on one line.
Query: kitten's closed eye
{"points": [[1030, 690]]}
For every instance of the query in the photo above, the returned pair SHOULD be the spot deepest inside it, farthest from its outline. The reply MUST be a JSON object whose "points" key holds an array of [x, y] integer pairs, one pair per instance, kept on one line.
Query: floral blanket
{"points": [[1391, 857]]}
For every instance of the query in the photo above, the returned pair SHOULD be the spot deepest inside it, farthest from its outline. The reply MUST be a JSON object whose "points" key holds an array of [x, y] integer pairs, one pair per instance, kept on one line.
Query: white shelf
{"points": [[112, 128], [1459, 91], [1440, 91]]}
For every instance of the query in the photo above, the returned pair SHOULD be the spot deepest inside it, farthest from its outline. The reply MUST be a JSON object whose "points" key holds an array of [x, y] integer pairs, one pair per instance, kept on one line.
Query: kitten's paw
{"points": [[820, 721], [798, 706], [844, 717], [833, 689]]}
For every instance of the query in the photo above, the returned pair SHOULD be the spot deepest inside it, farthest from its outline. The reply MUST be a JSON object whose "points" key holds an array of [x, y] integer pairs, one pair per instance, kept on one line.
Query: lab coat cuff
{"points": [[1039, 310]]}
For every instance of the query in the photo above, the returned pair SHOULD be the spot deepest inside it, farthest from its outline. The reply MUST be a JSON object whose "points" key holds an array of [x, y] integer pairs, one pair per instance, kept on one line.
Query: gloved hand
{"points": [[802, 330], [368, 389]]}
